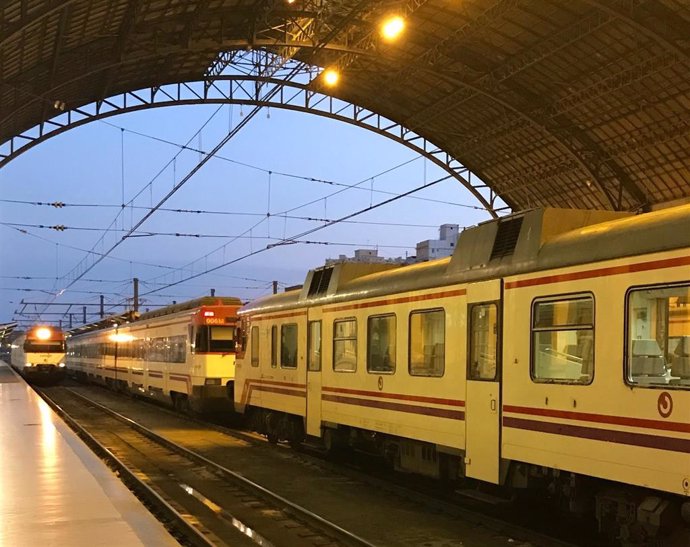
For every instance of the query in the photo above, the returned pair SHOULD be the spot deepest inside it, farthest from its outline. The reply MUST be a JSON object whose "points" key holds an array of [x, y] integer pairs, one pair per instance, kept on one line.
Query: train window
{"points": [[381, 344], [483, 342], [345, 345], [47, 346], [222, 339], [274, 346], [210, 339], [254, 341], [314, 346], [563, 340], [178, 349], [288, 345], [658, 336], [201, 342], [427, 350]]}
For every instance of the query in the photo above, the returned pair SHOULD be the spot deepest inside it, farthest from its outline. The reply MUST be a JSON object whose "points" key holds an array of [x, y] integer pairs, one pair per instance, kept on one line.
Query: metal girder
{"points": [[244, 90], [368, 40], [65, 15], [433, 56], [625, 11], [126, 27]]}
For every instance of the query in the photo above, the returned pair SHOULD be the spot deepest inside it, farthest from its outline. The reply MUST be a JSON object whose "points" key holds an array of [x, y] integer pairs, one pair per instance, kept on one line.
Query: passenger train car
{"points": [[552, 349], [39, 355], [183, 354]]}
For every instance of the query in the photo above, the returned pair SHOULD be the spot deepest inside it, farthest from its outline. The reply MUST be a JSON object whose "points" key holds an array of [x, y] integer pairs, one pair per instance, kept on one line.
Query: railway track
{"points": [[431, 521], [202, 502]]}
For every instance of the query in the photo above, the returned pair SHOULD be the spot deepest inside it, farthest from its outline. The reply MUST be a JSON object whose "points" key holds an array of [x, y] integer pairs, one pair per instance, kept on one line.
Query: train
{"points": [[182, 355], [39, 355], [551, 351]]}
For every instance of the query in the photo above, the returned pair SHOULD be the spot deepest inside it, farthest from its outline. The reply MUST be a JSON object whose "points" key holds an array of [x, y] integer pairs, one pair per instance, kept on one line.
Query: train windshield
{"points": [[215, 339], [44, 346]]}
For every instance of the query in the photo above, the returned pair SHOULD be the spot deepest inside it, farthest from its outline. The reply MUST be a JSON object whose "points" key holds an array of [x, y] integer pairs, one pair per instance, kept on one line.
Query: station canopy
{"points": [[578, 103]]}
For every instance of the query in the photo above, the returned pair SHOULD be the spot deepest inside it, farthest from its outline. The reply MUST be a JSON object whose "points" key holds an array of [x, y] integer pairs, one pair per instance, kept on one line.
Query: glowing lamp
{"points": [[392, 27], [209, 314], [331, 77], [43, 333]]}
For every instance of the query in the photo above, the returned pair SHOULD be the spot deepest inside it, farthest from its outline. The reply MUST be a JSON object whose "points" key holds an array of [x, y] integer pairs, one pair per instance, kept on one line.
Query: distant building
{"points": [[367, 256], [438, 248]]}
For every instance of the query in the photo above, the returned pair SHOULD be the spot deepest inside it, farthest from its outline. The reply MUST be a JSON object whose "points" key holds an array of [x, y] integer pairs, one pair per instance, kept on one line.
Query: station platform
{"points": [[53, 489]]}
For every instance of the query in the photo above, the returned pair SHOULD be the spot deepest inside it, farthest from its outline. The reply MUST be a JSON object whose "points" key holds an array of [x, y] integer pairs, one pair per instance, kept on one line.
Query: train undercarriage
{"points": [[626, 515]]}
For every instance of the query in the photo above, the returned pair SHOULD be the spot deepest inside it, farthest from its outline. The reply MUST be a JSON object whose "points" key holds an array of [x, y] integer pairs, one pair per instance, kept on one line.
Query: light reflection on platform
{"points": [[53, 489]]}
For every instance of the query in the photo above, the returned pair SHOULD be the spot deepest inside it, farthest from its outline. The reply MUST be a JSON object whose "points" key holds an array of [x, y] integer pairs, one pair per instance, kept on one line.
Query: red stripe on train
{"points": [[600, 418], [601, 272], [619, 437]]}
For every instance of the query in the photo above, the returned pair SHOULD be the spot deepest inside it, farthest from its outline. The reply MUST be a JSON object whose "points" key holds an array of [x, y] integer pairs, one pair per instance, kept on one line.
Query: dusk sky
{"points": [[84, 167]]}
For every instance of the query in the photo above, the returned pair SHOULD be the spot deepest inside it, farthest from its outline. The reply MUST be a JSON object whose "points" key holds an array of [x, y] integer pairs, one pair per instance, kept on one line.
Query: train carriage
{"points": [[39, 354], [183, 354], [551, 348]]}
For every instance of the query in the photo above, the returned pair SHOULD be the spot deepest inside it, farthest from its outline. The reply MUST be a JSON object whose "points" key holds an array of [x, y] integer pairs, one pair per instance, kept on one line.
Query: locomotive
{"points": [[39, 355], [552, 350]]}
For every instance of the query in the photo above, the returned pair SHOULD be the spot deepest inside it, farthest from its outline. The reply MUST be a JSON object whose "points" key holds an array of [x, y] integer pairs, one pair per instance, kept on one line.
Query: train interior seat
{"points": [[681, 358], [585, 349], [647, 358]]}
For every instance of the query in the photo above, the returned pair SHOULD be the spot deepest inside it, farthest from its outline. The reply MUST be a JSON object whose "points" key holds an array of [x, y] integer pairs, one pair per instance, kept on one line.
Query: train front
{"points": [[44, 355], [214, 342]]}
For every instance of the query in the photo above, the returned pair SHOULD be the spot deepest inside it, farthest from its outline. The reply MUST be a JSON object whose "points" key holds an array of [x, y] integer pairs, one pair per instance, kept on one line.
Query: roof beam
{"points": [[126, 27], [57, 49], [629, 15], [288, 95], [11, 31]]}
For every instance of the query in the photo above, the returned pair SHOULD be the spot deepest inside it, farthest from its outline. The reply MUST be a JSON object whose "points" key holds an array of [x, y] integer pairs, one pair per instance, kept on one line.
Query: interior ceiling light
{"points": [[392, 27], [331, 77]]}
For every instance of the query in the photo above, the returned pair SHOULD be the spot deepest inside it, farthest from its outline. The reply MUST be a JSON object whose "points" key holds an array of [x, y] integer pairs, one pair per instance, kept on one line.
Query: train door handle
{"points": [[493, 405]]}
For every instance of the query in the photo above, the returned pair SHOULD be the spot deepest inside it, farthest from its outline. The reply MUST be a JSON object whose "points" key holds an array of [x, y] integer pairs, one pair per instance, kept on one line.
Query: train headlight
{"points": [[61, 365], [212, 381], [28, 365], [43, 333]]}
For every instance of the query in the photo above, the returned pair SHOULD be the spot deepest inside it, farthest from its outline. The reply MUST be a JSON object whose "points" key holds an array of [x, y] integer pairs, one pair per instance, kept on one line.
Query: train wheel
{"points": [[330, 442], [181, 403], [272, 424], [296, 437]]}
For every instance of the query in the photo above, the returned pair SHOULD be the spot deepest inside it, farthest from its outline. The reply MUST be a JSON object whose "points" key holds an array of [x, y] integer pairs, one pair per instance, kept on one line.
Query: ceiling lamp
{"points": [[392, 28], [331, 77]]}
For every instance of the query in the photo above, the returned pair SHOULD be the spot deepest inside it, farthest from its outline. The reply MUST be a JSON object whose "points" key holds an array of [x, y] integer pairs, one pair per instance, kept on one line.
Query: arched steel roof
{"points": [[584, 103]]}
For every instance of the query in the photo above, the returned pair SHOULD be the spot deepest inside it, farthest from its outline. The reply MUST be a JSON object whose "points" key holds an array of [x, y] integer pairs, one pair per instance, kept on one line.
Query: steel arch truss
{"points": [[250, 90]]}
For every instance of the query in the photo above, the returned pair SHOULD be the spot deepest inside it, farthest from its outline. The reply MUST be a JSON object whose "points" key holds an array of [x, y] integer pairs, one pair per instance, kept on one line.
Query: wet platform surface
{"points": [[53, 489]]}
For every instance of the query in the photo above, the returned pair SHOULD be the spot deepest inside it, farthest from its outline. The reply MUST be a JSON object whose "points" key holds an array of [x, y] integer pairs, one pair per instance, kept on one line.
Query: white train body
{"points": [[183, 355], [39, 354], [554, 343]]}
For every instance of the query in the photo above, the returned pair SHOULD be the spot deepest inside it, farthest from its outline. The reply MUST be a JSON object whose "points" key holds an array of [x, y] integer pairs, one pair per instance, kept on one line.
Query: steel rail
{"points": [[176, 521], [289, 507]]}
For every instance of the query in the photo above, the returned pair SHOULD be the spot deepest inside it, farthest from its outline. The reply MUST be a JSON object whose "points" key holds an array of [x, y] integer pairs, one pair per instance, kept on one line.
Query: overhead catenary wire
{"points": [[294, 239], [305, 177], [230, 213]]}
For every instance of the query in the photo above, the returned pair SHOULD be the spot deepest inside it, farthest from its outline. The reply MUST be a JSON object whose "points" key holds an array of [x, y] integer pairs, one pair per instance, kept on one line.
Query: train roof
{"points": [[132, 317], [529, 241], [192, 304]]}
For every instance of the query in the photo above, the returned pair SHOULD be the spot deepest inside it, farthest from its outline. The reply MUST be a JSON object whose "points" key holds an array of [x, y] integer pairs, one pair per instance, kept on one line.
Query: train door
{"points": [[483, 397], [314, 354]]}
